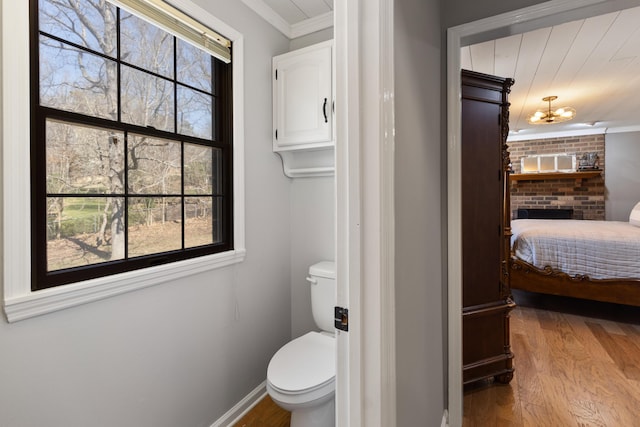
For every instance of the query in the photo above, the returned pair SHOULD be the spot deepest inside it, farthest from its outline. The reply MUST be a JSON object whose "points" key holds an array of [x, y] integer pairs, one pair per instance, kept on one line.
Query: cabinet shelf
{"points": [[578, 176]]}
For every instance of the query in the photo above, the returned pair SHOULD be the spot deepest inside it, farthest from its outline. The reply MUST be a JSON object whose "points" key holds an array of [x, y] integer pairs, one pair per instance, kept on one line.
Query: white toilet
{"points": [[301, 375]]}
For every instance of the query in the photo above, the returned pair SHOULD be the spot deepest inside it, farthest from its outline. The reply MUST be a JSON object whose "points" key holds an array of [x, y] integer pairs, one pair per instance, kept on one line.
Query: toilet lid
{"points": [[304, 363]]}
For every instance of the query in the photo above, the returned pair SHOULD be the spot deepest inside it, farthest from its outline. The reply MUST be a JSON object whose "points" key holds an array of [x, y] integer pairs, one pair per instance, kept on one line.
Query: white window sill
{"points": [[62, 297]]}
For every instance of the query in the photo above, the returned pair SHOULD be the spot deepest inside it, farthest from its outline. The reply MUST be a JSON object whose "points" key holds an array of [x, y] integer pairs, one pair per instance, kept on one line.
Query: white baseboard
{"points": [[241, 408], [444, 422]]}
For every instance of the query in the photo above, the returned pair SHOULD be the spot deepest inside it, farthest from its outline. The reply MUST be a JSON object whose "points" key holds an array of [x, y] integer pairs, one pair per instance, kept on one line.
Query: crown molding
{"points": [[573, 132], [312, 25], [291, 31]]}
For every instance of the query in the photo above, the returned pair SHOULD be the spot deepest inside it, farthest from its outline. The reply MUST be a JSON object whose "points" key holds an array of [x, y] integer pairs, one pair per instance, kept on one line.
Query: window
{"points": [[19, 300], [131, 145]]}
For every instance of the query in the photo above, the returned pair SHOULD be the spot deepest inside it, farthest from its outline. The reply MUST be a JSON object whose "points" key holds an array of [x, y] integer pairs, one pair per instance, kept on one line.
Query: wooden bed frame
{"points": [[549, 281]]}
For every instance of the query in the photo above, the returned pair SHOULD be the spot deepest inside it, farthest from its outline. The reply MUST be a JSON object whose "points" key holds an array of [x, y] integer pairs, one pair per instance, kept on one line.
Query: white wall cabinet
{"points": [[303, 110]]}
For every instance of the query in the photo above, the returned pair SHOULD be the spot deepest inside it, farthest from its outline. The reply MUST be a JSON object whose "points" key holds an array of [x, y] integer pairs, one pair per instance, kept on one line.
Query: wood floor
{"points": [[265, 414], [577, 363]]}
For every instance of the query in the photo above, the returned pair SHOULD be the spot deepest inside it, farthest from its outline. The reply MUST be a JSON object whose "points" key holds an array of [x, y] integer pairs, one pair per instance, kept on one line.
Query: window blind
{"points": [[179, 24]]}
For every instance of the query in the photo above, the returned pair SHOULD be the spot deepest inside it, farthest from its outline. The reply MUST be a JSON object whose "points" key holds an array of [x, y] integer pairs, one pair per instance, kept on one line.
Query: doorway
{"points": [[534, 17]]}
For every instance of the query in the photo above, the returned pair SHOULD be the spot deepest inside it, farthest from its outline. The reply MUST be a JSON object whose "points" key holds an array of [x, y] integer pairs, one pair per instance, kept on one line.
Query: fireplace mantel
{"points": [[578, 176]]}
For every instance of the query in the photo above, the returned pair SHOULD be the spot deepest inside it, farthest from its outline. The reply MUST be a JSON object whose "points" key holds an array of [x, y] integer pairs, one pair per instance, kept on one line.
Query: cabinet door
{"points": [[302, 98], [482, 201]]}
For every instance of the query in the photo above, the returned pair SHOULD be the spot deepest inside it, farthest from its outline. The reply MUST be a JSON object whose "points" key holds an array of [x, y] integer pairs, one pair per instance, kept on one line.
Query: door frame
{"points": [[365, 251], [538, 16]]}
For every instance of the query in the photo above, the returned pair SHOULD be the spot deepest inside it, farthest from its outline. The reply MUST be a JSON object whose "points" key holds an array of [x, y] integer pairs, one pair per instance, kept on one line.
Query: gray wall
{"points": [[420, 81], [622, 174], [180, 353], [312, 240], [313, 38], [419, 280]]}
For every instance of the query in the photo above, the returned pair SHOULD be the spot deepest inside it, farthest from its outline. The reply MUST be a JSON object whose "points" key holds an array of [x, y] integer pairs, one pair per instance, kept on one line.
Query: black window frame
{"points": [[222, 139]]}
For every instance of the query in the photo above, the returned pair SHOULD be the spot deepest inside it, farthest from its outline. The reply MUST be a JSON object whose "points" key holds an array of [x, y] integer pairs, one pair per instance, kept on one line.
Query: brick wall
{"points": [[586, 196]]}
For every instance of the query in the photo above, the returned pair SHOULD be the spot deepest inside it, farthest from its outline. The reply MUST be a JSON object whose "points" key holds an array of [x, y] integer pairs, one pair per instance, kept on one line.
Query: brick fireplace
{"points": [[584, 196]]}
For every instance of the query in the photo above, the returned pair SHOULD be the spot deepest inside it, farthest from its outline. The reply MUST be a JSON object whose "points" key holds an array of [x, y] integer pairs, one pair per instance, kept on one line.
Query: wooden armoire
{"points": [[486, 228]]}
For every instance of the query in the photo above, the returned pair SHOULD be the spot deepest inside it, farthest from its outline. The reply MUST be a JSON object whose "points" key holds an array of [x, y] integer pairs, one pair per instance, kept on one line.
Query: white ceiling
{"points": [[592, 65], [295, 11], [295, 18]]}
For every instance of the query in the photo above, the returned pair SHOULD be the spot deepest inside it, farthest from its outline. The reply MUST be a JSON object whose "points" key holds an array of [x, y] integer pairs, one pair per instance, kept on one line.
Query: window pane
{"points": [[198, 227], [197, 169], [155, 225], [89, 24], [216, 176], [194, 66], [217, 219], [147, 100], [145, 45], [154, 166], [83, 159], [73, 80], [80, 231], [194, 113]]}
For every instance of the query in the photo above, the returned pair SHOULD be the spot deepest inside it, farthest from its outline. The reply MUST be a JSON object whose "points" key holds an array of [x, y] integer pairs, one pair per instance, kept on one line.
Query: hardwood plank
{"points": [[588, 413], [596, 353], [478, 404], [576, 364], [534, 415], [630, 330], [530, 389], [623, 350], [265, 414], [559, 408]]}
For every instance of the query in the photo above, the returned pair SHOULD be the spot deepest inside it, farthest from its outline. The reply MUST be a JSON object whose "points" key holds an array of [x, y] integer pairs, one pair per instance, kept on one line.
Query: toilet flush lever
{"points": [[312, 280]]}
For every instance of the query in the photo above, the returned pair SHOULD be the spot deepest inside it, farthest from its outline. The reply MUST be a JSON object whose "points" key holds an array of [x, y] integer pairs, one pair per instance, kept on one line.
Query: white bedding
{"points": [[598, 249]]}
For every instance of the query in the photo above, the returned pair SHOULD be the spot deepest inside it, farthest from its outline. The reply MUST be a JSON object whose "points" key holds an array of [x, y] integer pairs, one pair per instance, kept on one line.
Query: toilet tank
{"points": [[322, 277]]}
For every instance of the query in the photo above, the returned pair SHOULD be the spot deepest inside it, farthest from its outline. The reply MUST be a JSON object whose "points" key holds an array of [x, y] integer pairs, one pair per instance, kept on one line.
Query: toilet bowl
{"points": [[301, 379], [301, 375]]}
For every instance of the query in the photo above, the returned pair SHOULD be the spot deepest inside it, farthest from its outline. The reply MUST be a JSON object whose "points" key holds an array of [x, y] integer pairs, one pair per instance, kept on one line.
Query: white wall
{"points": [[622, 174], [180, 353]]}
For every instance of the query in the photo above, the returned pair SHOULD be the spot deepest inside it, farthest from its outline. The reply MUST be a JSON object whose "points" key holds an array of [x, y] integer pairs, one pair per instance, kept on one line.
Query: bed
{"points": [[596, 260]]}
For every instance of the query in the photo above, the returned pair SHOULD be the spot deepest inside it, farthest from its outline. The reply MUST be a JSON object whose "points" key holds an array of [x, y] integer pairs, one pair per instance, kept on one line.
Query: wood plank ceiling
{"points": [[592, 65], [295, 11]]}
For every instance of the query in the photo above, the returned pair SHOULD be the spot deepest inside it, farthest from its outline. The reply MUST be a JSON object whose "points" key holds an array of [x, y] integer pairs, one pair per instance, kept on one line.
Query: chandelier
{"points": [[550, 116]]}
